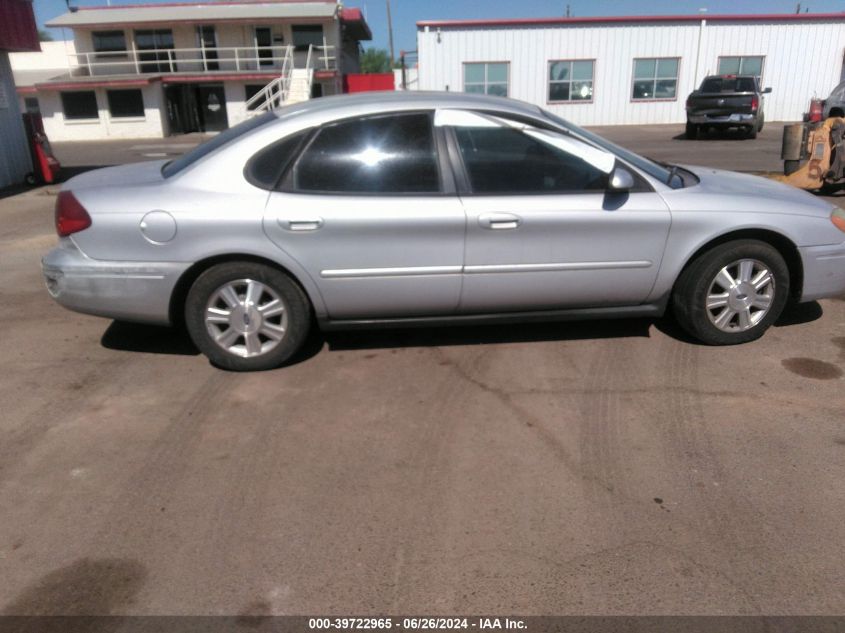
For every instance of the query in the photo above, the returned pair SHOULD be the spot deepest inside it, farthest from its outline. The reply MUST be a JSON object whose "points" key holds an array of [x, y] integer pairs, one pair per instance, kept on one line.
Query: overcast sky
{"points": [[407, 12]]}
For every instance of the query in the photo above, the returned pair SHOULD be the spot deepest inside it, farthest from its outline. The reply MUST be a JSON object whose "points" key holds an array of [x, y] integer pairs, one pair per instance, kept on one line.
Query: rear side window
{"points": [[265, 168], [386, 154]]}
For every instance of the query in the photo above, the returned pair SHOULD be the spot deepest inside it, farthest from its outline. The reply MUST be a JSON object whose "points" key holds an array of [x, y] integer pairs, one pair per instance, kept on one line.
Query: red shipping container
{"points": [[368, 83]]}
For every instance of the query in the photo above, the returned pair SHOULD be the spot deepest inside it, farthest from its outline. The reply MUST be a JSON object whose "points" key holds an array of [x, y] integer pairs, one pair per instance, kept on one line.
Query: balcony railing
{"points": [[183, 60]]}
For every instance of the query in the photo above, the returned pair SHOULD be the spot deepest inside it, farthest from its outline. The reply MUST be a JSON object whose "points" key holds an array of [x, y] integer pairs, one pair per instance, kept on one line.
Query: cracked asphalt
{"points": [[606, 467]]}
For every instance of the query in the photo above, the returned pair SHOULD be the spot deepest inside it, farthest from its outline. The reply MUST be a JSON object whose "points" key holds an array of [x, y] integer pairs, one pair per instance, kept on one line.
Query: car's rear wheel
{"points": [[246, 316], [691, 131], [732, 293], [751, 131]]}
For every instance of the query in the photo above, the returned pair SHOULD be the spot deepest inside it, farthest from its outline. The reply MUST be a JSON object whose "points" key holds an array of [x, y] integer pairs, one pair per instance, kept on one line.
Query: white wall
{"points": [[802, 60], [53, 56], [104, 127]]}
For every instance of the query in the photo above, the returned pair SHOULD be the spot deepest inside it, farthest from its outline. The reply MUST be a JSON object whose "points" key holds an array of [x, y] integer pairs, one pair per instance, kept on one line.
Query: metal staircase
{"points": [[293, 84]]}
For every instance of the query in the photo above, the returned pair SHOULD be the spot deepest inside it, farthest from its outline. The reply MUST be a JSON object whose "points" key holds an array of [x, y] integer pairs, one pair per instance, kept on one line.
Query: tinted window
{"points": [[725, 84], [506, 160], [80, 105], [125, 103], [655, 78], [108, 41], [266, 167], [384, 154], [305, 35], [201, 151]]}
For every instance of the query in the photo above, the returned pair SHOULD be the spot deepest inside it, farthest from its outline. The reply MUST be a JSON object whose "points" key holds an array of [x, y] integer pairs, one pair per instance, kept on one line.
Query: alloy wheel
{"points": [[740, 295]]}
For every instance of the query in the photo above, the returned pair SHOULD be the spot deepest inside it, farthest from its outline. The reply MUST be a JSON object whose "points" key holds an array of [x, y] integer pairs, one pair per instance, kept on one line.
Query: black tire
{"points": [[297, 311], [761, 123], [751, 132], [689, 297], [691, 131]]}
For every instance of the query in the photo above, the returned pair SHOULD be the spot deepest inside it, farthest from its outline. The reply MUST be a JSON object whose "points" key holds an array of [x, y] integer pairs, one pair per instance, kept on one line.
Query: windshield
{"points": [[653, 169], [200, 151]]}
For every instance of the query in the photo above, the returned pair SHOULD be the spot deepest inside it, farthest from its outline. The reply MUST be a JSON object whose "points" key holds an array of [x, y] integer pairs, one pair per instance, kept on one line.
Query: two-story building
{"points": [[145, 71]]}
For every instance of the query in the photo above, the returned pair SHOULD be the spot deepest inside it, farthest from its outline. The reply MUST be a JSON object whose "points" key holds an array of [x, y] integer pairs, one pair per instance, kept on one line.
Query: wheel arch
{"points": [[834, 112], [785, 246], [187, 279]]}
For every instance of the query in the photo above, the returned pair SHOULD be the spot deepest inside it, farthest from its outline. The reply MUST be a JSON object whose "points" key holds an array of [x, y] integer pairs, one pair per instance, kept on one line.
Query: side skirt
{"points": [[651, 310]]}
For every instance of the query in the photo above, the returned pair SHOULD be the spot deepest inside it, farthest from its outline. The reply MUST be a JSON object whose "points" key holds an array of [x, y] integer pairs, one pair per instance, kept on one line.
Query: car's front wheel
{"points": [[732, 293], [691, 131], [246, 316]]}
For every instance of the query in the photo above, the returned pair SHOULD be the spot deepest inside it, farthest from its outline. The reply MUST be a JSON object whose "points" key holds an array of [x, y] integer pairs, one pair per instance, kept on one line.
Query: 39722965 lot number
{"points": [[418, 624]]}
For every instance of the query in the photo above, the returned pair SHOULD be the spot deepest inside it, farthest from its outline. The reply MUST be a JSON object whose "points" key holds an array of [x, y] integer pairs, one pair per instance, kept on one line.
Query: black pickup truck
{"points": [[725, 101]]}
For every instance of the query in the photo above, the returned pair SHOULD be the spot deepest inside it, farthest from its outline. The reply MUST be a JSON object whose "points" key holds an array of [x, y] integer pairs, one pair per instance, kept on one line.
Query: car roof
{"points": [[338, 105]]}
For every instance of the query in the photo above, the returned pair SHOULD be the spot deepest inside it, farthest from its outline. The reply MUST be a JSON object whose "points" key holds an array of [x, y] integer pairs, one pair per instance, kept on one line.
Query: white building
{"points": [[146, 71], [633, 70]]}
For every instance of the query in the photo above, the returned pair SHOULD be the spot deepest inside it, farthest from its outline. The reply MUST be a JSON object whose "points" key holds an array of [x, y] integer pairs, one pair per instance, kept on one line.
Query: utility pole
{"points": [[390, 33], [567, 11]]}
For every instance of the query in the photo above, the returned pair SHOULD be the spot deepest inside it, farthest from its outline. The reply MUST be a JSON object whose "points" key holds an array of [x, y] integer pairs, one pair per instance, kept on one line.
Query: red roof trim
{"points": [[201, 4], [25, 90], [18, 32], [765, 17], [78, 85]]}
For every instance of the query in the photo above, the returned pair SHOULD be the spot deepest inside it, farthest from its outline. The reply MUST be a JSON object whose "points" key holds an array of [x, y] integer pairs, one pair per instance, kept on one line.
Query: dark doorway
{"points": [[264, 45], [196, 108], [316, 90]]}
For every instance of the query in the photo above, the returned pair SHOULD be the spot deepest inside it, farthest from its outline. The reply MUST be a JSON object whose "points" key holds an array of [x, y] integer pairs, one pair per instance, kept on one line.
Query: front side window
{"points": [[80, 105], [742, 65], [489, 78], [655, 78], [108, 41], [570, 80], [305, 35], [125, 103], [507, 158], [391, 154]]}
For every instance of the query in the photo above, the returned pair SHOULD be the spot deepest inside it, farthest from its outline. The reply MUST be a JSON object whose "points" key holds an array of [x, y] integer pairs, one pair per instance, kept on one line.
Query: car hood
{"points": [[119, 176], [744, 192]]}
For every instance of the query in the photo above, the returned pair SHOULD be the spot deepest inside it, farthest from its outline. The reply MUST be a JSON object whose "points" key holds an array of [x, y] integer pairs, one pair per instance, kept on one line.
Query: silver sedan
{"points": [[428, 208]]}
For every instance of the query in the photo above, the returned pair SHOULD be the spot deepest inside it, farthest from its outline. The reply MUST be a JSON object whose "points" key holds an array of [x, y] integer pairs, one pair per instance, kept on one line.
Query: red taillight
{"points": [[754, 102], [71, 217], [816, 107]]}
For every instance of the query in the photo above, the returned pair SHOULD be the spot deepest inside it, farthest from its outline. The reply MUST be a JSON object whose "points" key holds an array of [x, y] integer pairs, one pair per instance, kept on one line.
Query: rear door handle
{"points": [[499, 221], [301, 224]]}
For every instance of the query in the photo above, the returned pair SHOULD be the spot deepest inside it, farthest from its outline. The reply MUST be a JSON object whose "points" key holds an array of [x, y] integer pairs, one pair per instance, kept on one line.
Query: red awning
{"points": [[103, 83], [18, 32]]}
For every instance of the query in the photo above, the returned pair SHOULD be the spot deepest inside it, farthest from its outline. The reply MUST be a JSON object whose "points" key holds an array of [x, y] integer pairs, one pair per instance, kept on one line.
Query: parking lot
{"points": [[603, 467]]}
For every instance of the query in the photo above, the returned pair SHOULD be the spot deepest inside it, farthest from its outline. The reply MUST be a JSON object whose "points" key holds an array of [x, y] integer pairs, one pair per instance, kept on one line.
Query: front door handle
{"points": [[301, 224], [499, 221]]}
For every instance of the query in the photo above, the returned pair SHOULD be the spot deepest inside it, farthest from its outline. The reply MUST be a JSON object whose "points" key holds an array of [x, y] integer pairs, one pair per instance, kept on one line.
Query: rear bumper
{"points": [[726, 120], [824, 271], [130, 291]]}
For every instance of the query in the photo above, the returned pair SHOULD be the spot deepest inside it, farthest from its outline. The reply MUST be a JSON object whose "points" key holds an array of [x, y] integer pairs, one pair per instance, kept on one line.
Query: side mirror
{"points": [[767, 90], [621, 180]]}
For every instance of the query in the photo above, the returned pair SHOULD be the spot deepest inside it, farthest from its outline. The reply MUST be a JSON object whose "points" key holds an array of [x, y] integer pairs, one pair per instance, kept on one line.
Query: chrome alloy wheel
{"points": [[740, 295], [246, 317]]}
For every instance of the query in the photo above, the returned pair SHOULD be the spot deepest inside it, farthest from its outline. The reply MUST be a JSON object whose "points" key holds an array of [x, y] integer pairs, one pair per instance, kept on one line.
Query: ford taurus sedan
{"points": [[429, 208]]}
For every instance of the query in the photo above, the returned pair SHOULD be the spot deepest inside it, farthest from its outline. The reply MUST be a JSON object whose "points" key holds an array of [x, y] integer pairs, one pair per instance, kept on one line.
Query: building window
{"points": [[571, 80], [250, 91], [125, 103], [80, 105], [305, 35], [655, 78], [109, 41], [490, 78], [31, 104], [742, 65]]}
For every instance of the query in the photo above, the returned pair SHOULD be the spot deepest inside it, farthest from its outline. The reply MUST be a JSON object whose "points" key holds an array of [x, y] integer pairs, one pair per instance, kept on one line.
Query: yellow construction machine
{"points": [[813, 155]]}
